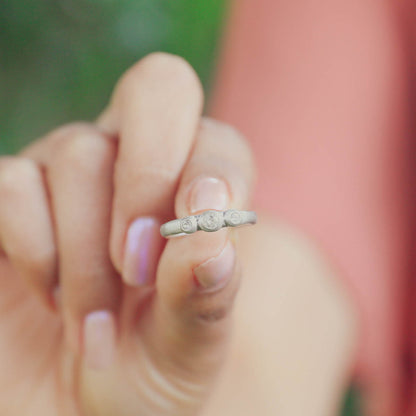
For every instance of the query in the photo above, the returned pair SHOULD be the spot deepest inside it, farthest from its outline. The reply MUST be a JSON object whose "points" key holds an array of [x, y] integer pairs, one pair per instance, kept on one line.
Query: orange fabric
{"points": [[320, 88]]}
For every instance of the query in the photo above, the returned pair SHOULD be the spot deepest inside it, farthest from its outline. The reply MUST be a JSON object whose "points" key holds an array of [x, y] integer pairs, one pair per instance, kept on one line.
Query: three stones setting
{"points": [[210, 221]]}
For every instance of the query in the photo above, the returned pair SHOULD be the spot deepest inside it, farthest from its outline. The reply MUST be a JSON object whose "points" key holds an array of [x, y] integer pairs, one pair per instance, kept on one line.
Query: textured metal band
{"points": [[207, 221]]}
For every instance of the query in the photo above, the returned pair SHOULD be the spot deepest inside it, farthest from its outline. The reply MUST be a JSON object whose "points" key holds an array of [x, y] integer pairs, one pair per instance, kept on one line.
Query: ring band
{"points": [[208, 221]]}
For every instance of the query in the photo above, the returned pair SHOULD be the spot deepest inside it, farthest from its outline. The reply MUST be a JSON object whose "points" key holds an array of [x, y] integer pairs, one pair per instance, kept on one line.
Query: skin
{"points": [[67, 203]]}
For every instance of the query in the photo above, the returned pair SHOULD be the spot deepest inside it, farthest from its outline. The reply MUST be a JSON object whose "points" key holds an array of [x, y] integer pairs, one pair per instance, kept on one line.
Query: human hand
{"points": [[139, 326]]}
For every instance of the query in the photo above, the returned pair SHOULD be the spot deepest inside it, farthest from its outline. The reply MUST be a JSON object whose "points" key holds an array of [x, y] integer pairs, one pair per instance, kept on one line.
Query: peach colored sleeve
{"points": [[319, 87]]}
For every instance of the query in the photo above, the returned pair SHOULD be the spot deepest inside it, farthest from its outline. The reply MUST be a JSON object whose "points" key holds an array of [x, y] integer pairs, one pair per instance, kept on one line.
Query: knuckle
{"points": [[216, 306], [59, 136], [68, 130], [172, 70], [42, 261], [36, 261], [15, 174], [212, 315], [84, 149]]}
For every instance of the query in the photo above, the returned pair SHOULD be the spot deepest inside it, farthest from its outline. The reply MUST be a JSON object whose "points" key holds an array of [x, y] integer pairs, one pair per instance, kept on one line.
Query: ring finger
{"points": [[79, 166]]}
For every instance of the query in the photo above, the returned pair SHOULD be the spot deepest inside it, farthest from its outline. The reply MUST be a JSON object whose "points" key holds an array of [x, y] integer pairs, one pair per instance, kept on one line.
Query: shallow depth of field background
{"points": [[60, 59]]}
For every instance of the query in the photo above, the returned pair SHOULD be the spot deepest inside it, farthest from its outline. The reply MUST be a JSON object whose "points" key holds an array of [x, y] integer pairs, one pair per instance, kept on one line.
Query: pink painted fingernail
{"points": [[143, 247], [208, 193], [99, 339], [216, 272]]}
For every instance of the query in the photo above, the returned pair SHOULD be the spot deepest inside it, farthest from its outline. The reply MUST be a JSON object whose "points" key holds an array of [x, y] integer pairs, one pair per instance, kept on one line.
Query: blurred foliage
{"points": [[352, 403], [59, 60]]}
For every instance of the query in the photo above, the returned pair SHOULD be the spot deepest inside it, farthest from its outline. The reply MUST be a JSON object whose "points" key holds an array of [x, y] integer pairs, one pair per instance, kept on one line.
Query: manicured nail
{"points": [[143, 247], [99, 339], [208, 193], [216, 271]]}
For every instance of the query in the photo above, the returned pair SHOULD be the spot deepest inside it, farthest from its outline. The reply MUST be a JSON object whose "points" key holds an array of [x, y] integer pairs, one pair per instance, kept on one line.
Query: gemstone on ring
{"points": [[189, 225], [232, 218], [211, 221]]}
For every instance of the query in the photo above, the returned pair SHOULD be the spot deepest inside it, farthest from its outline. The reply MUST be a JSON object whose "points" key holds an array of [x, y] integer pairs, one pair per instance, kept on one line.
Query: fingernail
{"points": [[99, 339], [143, 247], [216, 272], [208, 193]]}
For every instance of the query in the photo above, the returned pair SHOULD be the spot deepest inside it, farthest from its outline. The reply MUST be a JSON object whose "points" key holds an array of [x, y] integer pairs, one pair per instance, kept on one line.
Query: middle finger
{"points": [[154, 112]]}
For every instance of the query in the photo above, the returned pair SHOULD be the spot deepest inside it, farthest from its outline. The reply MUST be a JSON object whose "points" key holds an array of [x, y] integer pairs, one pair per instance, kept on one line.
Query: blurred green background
{"points": [[59, 60]]}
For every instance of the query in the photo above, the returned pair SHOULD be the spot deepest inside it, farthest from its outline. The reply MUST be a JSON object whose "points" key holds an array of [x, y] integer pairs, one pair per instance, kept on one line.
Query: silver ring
{"points": [[208, 221]]}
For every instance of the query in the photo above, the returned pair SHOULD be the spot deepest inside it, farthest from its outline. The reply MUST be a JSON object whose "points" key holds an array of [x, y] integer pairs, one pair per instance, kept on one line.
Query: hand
{"points": [[130, 324]]}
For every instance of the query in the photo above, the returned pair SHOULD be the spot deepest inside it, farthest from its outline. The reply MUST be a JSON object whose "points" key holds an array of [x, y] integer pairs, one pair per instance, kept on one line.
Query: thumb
{"points": [[187, 327], [189, 321]]}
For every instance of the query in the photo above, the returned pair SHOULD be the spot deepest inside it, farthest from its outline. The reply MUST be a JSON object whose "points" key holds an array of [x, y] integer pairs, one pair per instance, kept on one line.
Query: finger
{"points": [[199, 274], [80, 178], [220, 173], [186, 332], [155, 111], [26, 231], [44, 149]]}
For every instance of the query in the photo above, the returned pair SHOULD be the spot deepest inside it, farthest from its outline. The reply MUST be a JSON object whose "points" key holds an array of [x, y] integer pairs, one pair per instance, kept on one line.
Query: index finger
{"points": [[154, 111]]}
